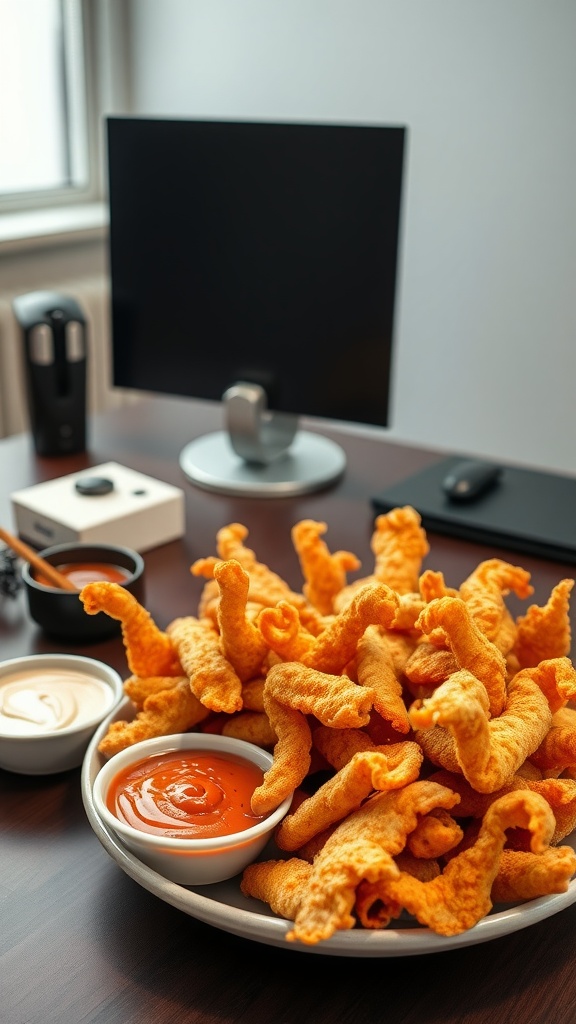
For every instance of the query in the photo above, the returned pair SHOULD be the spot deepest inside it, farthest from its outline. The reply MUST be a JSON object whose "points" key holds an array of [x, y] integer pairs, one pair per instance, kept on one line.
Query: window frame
{"points": [[104, 77]]}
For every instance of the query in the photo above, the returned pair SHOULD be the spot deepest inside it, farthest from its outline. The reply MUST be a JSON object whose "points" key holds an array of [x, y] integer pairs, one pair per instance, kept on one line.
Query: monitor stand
{"points": [[261, 453]]}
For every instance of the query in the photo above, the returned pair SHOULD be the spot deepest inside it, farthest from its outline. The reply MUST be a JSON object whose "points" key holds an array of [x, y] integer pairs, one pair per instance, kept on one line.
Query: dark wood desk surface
{"points": [[81, 941]]}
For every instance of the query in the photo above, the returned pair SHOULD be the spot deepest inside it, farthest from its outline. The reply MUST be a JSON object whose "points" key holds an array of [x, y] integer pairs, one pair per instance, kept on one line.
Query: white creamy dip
{"points": [[38, 701]]}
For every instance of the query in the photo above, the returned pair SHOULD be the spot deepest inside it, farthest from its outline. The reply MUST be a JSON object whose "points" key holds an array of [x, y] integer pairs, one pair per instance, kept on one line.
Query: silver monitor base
{"points": [[311, 462]]}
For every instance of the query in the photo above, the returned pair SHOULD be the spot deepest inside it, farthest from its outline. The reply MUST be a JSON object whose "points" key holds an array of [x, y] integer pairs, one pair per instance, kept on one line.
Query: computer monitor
{"points": [[254, 263]]}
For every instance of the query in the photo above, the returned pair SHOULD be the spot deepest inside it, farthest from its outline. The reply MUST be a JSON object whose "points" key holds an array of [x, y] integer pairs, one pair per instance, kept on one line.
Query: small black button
{"points": [[93, 485]]}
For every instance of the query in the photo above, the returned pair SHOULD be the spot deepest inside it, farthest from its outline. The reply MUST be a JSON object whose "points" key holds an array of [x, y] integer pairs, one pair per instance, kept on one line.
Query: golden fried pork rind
{"points": [[375, 669], [460, 896], [374, 604], [362, 847], [345, 791], [469, 645], [462, 736], [266, 587], [544, 633], [252, 727], [399, 545], [212, 679], [435, 834], [291, 755], [149, 650], [277, 882], [429, 665], [324, 573], [241, 643], [426, 735], [334, 700], [484, 591], [138, 689], [338, 746], [282, 631], [169, 711], [526, 876]]}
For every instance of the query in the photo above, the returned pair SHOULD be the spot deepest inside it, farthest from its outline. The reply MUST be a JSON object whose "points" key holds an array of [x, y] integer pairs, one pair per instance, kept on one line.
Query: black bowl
{"points": [[61, 613]]}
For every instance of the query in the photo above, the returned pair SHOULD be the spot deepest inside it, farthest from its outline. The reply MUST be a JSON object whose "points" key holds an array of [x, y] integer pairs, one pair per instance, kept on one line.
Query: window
{"points": [[46, 155]]}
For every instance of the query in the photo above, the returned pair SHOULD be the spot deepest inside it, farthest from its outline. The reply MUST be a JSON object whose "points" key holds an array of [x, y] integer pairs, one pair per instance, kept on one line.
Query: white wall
{"points": [[486, 330]]}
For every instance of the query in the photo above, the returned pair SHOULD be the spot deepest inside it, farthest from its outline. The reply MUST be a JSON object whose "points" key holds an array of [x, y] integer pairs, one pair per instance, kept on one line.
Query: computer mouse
{"points": [[470, 479]]}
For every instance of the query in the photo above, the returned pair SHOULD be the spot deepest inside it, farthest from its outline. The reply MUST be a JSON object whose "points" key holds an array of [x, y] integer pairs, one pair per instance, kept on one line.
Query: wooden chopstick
{"points": [[57, 579]]}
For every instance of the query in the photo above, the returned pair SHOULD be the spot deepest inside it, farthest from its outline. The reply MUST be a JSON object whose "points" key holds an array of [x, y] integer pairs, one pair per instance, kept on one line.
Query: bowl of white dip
{"points": [[50, 706]]}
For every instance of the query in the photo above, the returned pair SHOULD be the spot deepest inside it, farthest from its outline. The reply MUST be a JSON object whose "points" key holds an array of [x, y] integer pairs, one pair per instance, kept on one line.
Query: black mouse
{"points": [[470, 479]]}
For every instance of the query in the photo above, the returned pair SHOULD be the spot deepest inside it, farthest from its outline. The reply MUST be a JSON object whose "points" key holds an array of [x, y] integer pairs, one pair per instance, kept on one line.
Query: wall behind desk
{"points": [[485, 356]]}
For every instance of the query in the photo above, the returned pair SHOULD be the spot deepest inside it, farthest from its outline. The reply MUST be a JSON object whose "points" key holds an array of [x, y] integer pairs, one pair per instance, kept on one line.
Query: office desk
{"points": [[81, 941]]}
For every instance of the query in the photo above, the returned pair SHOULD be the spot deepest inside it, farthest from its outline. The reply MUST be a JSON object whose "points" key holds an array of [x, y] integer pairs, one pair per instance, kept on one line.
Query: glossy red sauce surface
{"points": [[87, 572], [193, 794]]}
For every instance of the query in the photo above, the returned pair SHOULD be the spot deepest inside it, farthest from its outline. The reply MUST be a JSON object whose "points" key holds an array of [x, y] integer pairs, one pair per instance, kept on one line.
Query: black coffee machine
{"points": [[55, 361]]}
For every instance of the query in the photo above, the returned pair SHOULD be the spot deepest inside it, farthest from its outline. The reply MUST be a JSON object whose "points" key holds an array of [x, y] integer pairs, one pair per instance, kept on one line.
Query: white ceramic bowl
{"points": [[184, 860], [50, 706]]}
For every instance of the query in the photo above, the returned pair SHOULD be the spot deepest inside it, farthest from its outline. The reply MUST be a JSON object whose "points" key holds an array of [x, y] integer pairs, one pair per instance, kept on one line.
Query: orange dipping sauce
{"points": [[81, 573], [193, 794]]}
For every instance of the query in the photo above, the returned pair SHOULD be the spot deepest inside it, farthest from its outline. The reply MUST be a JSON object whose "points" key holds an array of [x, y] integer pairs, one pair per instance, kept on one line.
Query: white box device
{"points": [[106, 504]]}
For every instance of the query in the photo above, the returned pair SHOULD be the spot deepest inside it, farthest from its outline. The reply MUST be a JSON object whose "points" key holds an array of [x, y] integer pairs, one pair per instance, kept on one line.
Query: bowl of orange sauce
{"points": [[181, 804], [61, 613]]}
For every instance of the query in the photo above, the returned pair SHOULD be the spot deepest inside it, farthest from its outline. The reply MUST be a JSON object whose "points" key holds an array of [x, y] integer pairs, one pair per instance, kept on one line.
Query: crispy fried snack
{"points": [[338, 746], [169, 711], [544, 633], [560, 794], [557, 751], [334, 700], [138, 689], [362, 691], [409, 609], [556, 678], [484, 591], [149, 650], [266, 587], [253, 694], [461, 895], [429, 665], [487, 751], [252, 726], [291, 755], [346, 791], [325, 573], [399, 545], [374, 604], [470, 647], [434, 835], [212, 679], [375, 669], [375, 914], [401, 647], [424, 868], [432, 585], [282, 630], [525, 875], [362, 847], [240, 641], [277, 882]]}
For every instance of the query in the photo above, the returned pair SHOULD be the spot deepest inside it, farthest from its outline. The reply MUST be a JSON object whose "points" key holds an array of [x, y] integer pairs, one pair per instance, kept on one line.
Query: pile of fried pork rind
{"points": [[427, 734]]}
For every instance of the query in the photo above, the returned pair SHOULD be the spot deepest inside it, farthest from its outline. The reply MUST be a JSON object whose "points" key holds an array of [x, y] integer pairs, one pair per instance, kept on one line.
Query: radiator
{"points": [[93, 296]]}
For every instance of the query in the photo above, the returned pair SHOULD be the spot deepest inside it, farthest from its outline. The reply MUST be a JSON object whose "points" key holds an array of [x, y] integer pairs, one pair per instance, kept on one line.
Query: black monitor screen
{"points": [[256, 251]]}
